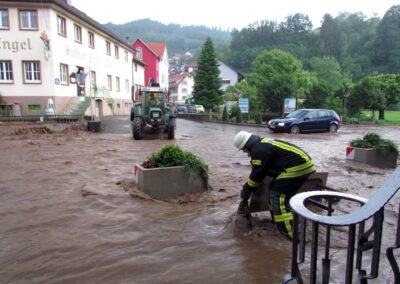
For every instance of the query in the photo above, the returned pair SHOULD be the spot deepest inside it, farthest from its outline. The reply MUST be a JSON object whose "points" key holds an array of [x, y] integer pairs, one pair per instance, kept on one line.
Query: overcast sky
{"points": [[225, 14]]}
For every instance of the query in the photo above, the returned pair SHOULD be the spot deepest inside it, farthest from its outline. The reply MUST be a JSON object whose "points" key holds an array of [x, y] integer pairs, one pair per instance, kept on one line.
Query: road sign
{"points": [[244, 105]]}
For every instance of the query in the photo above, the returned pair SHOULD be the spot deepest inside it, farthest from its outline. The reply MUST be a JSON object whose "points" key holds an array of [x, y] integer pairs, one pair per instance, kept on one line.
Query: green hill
{"points": [[179, 39]]}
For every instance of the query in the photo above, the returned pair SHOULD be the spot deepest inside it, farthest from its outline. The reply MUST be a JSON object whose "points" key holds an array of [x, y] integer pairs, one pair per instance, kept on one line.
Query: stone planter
{"points": [[163, 183], [94, 126], [260, 198], [371, 157]]}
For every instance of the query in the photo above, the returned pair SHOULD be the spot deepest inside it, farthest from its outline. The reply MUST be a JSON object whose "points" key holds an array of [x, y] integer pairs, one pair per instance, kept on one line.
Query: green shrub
{"points": [[172, 155], [225, 114], [374, 141]]}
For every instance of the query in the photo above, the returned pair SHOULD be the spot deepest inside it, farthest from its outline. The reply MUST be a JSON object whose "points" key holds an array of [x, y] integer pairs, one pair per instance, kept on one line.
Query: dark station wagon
{"points": [[307, 120]]}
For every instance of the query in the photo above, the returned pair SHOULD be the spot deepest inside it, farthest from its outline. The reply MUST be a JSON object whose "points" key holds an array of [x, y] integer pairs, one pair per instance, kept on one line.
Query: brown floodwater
{"points": [[70, 211]]}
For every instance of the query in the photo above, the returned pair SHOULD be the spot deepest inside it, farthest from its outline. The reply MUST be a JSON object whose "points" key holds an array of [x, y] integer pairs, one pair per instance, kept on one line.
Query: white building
{"points": [[228, 75], [181, 87], [43, 42]]}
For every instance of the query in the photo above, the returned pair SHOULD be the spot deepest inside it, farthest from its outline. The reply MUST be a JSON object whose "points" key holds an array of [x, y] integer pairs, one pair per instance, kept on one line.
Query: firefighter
{"points": [[289, 166]]}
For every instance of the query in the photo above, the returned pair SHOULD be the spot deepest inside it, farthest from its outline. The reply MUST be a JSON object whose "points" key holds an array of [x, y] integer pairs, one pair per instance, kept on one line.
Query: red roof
{"points": [[157, 47]]}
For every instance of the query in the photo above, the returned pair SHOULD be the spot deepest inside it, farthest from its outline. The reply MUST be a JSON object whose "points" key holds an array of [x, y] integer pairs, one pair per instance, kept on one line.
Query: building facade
{"points": [[51, 50], [228, 75], [181, 87], [155, 55]]}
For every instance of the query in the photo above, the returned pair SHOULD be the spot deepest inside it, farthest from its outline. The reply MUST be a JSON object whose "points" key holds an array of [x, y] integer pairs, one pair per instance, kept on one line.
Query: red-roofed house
{"points": [[181, 87], [155, 55]]}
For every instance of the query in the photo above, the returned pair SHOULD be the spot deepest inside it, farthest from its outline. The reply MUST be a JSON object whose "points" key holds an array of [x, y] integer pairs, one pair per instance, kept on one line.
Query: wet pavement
{"points": [[71, 213]]}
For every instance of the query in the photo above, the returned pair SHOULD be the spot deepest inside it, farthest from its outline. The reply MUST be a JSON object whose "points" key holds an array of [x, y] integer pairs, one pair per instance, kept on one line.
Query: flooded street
{"points": [[70, 211]]}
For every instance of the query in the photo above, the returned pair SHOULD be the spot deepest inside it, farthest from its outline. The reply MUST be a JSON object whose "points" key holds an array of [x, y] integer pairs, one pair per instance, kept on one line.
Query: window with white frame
{"points": [[4, 19], [139, 53], [78, 33], [28, 20], [127, 85], [117, 85], [109, 82], [64, 74], [91, 39], [32, 72], [61, 26], [126, 56], [6, 74], [108, 48], [116, 51], [184, 90]]}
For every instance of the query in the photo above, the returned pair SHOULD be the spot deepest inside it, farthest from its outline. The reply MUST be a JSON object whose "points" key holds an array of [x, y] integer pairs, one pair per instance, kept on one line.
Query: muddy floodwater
{"points": [[70, 211]]}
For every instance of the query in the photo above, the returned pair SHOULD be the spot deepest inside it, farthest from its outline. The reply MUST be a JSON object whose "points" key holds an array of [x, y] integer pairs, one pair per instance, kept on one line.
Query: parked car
{"points": [[181, 109], [307, 120], [191, 108], [199, 108]]}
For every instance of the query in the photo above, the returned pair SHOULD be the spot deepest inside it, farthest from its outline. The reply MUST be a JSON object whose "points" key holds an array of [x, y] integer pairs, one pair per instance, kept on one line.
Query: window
{"points": [[6, 74], [109, 82], [31, 72], [135, 67], [4, 19], [184, 91], [34, 107], [184, 83], [91, 39], [127, 85], [126, 56], [64, 74], [78, 33], [226, 81], [108, 48], [117, 87], [61, 26], [139, 53], [116, 51], [28, 20], [93, 80]]}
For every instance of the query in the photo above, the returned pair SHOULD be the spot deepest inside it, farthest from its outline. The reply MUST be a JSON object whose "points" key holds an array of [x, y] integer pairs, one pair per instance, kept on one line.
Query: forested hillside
{"points": [[179, 39], [361, 45]]}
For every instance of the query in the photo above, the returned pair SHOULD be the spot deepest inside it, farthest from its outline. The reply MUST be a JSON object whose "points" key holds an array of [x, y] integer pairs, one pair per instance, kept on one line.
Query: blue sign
{"points": [[244, 105], [289, 105]]}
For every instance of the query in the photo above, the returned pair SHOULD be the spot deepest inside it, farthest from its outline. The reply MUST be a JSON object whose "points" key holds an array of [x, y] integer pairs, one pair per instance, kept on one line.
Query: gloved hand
{"points": [[244, 209], [245, 194]]}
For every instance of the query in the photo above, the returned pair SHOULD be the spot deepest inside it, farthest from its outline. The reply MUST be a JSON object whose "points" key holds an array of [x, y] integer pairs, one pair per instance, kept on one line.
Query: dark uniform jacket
{"points": [[278, 159]]}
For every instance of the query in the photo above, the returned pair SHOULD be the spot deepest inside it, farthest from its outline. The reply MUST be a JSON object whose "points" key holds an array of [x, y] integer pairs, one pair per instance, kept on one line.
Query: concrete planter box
{"points": [[260, 198], [163, 183], [371, 157]]}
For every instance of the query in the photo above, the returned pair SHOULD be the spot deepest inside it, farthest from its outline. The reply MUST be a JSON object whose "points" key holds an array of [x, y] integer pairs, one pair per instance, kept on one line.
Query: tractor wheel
{"points": [[137, 129], [171, 128]]}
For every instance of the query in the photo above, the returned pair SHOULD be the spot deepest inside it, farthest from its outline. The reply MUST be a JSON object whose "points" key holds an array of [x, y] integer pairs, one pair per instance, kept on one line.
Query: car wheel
{"points": [[295, 129], [333, 128]]}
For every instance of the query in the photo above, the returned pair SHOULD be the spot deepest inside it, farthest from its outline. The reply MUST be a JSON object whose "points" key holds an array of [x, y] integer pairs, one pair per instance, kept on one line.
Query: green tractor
{"points": [[153, 112]]}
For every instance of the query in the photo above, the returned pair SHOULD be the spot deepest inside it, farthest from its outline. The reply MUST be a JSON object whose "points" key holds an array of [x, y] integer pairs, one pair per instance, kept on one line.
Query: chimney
{"points": [[68, 2]]}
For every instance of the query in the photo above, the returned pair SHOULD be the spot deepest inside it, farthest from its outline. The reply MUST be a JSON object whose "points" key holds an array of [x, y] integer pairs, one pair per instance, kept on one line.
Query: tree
{"points": [[207, 84], [276, 76], [331, 38], [376, 93], [297, 23], [387, 44]]}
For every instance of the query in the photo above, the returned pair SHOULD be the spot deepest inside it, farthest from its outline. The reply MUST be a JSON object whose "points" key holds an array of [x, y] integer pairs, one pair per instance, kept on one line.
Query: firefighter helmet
{"points": [[241, 139]]}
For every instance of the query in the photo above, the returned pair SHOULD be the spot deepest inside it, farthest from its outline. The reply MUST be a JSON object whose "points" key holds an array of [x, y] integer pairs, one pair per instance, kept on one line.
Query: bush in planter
{"points": [[172, 155], [374, 141]]}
